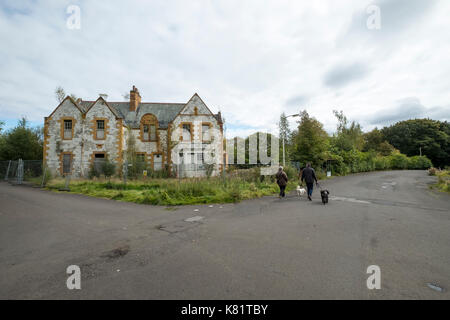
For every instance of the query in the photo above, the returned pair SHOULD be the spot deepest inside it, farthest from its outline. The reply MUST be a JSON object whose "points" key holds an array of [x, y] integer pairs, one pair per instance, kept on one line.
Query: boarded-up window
{"points": [[157, 162], [67, 163], [68, 129]]}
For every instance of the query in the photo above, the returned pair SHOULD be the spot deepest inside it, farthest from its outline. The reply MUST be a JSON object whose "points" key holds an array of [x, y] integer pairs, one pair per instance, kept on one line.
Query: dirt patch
{"points": [[117, 252]]}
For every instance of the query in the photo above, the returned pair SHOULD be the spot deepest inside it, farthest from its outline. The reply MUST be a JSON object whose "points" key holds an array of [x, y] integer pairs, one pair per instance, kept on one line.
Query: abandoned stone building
{"points": [[183, 138]]}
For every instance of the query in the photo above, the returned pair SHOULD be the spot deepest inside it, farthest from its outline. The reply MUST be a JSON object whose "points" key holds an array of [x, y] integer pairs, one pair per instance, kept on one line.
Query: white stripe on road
{"points": [[349, 200]]}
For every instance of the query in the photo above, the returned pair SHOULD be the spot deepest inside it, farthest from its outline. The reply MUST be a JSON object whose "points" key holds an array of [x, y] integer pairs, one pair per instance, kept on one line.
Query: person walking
{"points": [[309, 175], [282, 180]]}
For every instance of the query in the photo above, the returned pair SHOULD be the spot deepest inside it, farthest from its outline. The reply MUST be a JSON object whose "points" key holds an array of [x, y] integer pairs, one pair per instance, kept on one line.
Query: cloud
{"points": [[340, 76], [409, 108], [297, 101], [252, 64]]}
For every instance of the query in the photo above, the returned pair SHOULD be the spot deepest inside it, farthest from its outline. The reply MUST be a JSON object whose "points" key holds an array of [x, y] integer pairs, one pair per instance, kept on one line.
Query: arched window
{"points": [[149, 128]]}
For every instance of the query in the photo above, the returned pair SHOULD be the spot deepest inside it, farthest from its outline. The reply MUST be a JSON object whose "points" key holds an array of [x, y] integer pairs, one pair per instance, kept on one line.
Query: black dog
{"points": [[324, 194]]}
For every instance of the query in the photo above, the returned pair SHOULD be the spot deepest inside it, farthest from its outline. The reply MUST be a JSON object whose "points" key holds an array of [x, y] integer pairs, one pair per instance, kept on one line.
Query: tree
{"points": [[347, 137], [22, 142], [60, 94], [311, 141], [431, 137], [374, 140]]}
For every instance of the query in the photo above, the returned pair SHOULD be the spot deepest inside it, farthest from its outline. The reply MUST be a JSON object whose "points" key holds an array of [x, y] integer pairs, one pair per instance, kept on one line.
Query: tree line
{"points": [[409, 144]]}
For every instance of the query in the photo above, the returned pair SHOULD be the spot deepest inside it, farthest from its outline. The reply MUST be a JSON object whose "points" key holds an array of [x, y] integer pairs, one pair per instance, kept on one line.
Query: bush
{"points": [[108, 168], [432, 171], [419, 162], [399, 161]]}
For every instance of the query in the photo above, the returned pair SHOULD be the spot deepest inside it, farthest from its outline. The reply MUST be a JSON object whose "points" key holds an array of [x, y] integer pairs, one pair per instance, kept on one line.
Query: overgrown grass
{"points": [[443, 183], [174, 191]]}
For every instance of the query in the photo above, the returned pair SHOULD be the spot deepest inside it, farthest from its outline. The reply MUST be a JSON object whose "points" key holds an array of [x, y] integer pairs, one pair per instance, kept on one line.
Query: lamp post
{"points": [[284, 155]]}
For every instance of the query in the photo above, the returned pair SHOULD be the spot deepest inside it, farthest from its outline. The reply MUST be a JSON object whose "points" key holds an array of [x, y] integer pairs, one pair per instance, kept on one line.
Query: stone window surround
{"points": [[149, 119], [61, 162], [94, 127], [61, 120], [192, 130], [210, 128]]}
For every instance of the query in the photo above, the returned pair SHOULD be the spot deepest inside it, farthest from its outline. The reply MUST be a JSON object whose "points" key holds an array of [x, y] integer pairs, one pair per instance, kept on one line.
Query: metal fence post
{"points": [[20, 172], [43, 177], [7, 170], [125, 171]]}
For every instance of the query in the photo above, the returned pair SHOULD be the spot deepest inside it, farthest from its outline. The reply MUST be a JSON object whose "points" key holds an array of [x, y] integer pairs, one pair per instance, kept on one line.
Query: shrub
{"points": [[419, 162], [399, 161], [108, 168]]}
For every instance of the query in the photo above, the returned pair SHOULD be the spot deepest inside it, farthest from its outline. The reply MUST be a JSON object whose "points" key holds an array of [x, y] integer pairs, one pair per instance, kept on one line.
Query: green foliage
{"points": [[108, 168], [234, 188], [347, 137], [21, 142], [311, 142], [432, 136], [419, 162], [443, 183]]}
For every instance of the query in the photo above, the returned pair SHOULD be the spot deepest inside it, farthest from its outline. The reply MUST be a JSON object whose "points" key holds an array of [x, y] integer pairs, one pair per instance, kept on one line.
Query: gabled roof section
{"points": [[192, 98], [164, 112], [60, 104], [104, 101]]}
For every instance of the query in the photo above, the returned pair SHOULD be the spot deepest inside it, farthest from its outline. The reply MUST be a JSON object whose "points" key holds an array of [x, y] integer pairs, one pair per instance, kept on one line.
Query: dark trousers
{"points": [[310, 187], [282, 188]]}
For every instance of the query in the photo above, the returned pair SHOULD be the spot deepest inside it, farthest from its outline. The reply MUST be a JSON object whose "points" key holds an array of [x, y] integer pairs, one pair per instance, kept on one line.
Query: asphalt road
{"points": [[260, 249]]}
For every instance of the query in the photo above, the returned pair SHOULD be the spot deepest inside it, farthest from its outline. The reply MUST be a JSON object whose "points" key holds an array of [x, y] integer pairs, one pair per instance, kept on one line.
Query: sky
{"points": [[251, 59]]}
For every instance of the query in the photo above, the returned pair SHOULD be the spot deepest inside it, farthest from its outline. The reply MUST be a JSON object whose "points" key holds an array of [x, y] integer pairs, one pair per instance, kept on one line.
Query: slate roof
{"points": [[164, 112]]}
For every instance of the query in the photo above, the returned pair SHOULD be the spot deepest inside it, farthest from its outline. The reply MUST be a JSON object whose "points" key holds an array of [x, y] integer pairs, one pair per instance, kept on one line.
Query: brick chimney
{"points": [[135, 98]]}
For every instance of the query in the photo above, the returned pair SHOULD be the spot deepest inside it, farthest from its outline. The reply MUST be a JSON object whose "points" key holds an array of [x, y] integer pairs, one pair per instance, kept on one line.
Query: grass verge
{"points": [[173, 191]]}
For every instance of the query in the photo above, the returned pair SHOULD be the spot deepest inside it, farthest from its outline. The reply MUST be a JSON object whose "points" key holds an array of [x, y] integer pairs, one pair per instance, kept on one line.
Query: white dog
{"points": [[300, 191]]}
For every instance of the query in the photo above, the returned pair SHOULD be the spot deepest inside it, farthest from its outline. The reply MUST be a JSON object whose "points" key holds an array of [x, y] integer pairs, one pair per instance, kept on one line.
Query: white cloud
{"points": [[250, 60]]}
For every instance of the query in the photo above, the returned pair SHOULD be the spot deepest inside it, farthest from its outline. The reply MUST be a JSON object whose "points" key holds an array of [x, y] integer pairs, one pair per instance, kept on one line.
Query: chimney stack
{"points": [[135, 99]]}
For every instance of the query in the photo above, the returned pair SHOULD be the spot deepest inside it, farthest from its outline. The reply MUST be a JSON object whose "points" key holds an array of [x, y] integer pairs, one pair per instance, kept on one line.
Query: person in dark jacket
{"points": [[309, 175], [282, 180]]}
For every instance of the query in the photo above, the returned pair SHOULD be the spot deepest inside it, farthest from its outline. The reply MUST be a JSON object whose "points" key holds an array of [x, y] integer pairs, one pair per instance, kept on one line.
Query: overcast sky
{"points": [[251, 60]]}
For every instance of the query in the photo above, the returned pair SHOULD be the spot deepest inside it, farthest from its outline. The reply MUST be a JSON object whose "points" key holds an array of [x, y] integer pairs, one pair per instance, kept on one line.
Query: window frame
{"points": [[209, 124], [105, 128], [191, 131], [63, 127], [61, 164]]}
